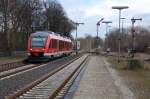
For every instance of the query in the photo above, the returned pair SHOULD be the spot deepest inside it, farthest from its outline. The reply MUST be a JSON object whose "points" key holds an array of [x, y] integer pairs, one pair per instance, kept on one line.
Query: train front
{"points": [[37, 47]]}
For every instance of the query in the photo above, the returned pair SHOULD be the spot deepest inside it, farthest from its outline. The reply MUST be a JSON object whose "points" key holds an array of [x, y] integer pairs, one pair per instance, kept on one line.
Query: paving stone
{"points": [[96, 83]]}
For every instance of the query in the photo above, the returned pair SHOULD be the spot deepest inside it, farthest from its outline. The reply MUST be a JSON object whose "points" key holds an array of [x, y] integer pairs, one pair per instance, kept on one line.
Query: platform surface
{"points": [[96, 82]]}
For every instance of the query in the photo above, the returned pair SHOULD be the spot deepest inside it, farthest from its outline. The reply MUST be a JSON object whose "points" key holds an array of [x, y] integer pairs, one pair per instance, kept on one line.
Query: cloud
{"points": [[90, 11]]}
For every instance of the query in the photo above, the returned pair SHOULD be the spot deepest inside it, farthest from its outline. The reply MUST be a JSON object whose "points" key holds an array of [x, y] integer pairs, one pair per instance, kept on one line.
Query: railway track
{"points": [[16, 81], [14, 71], [14, 68], [53, 84]]}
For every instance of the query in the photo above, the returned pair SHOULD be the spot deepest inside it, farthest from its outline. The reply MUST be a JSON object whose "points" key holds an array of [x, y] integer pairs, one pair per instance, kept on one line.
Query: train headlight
{"points": [[31, 49]]}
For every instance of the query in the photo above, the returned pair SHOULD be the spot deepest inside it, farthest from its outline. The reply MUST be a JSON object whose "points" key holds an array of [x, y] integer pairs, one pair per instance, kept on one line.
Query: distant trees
{"points": [[19, 18], [22, 15], [4, 18], [57, 20], [142, 39], [88, 42]]}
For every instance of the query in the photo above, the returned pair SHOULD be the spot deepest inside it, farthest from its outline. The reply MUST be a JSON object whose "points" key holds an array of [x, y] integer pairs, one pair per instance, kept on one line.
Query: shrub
{"points": [[135, 64]]}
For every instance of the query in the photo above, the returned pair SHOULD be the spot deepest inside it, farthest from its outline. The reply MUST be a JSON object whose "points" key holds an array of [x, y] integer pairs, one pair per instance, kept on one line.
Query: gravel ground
{"points": [[138, 82], [9, 85], [97, 82], [119, 82]]}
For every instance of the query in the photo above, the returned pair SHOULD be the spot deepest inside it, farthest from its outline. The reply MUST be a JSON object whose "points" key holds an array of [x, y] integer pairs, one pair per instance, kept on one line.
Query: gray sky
{"points": [[90, 11]]}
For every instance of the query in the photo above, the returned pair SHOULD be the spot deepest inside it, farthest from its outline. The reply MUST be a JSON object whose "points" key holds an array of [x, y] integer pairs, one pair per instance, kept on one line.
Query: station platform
{"points": [[97, 82]]}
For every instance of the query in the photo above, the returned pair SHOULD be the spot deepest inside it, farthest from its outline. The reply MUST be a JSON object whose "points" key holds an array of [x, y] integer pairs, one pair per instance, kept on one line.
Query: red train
{"points": [[44, 45]]}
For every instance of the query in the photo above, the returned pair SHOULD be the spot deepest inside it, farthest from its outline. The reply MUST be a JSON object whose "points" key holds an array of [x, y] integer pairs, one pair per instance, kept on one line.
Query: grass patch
{"points": [[138, 80], [10, 57], [119, 66]]}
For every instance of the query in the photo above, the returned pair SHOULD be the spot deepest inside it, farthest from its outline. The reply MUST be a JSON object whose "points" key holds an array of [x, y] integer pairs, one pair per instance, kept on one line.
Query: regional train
{"points": [[45, 45]]}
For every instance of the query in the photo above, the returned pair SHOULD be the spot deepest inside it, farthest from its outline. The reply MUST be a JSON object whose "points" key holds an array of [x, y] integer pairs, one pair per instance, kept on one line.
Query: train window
{"points": [[38, 42], [66, 45], [69, 45], [54, 43], [61, 43], [50, 44]]}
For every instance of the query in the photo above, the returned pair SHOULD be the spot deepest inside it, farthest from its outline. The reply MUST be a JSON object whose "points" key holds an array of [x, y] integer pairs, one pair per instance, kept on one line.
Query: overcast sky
{"points": [[91, 11]]}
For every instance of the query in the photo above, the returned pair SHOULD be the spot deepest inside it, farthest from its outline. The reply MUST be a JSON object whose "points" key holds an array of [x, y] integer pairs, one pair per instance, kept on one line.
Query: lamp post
{"points": [[122, 36], [77, 24], [107, 22], [133, 20], [98, 24], [109, 28], [122, 23], [119, 8]]}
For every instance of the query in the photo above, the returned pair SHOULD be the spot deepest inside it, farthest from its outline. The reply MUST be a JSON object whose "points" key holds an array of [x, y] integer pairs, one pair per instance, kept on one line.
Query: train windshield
{"points": [[38, 42]]}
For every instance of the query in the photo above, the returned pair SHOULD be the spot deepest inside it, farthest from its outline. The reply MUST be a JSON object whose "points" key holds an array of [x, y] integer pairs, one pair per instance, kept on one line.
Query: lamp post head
{"points": [[122, 18], [134, 19], [80, 23], [120, 7], [140, 19], [77, 23], [107, 22]]}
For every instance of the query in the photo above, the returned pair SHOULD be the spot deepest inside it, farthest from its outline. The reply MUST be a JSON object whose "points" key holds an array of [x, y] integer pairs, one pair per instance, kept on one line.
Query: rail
{"points": [[33, 84], [67, 82]]}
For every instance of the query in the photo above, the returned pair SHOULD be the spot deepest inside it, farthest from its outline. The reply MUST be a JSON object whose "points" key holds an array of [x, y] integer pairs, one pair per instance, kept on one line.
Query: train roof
{"points": [[52, 35], [40, 33]]}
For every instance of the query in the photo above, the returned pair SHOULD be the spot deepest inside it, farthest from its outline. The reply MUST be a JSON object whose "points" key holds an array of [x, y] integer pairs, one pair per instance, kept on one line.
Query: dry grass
{"points": [[10, 59], [138, 80]]}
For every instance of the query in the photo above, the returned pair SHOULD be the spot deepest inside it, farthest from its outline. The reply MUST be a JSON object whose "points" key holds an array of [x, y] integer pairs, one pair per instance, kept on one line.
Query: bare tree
{"points": [[23, 14], [19, 18], [57, 20], [142, 40], [88, 43], [4, 9]]}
